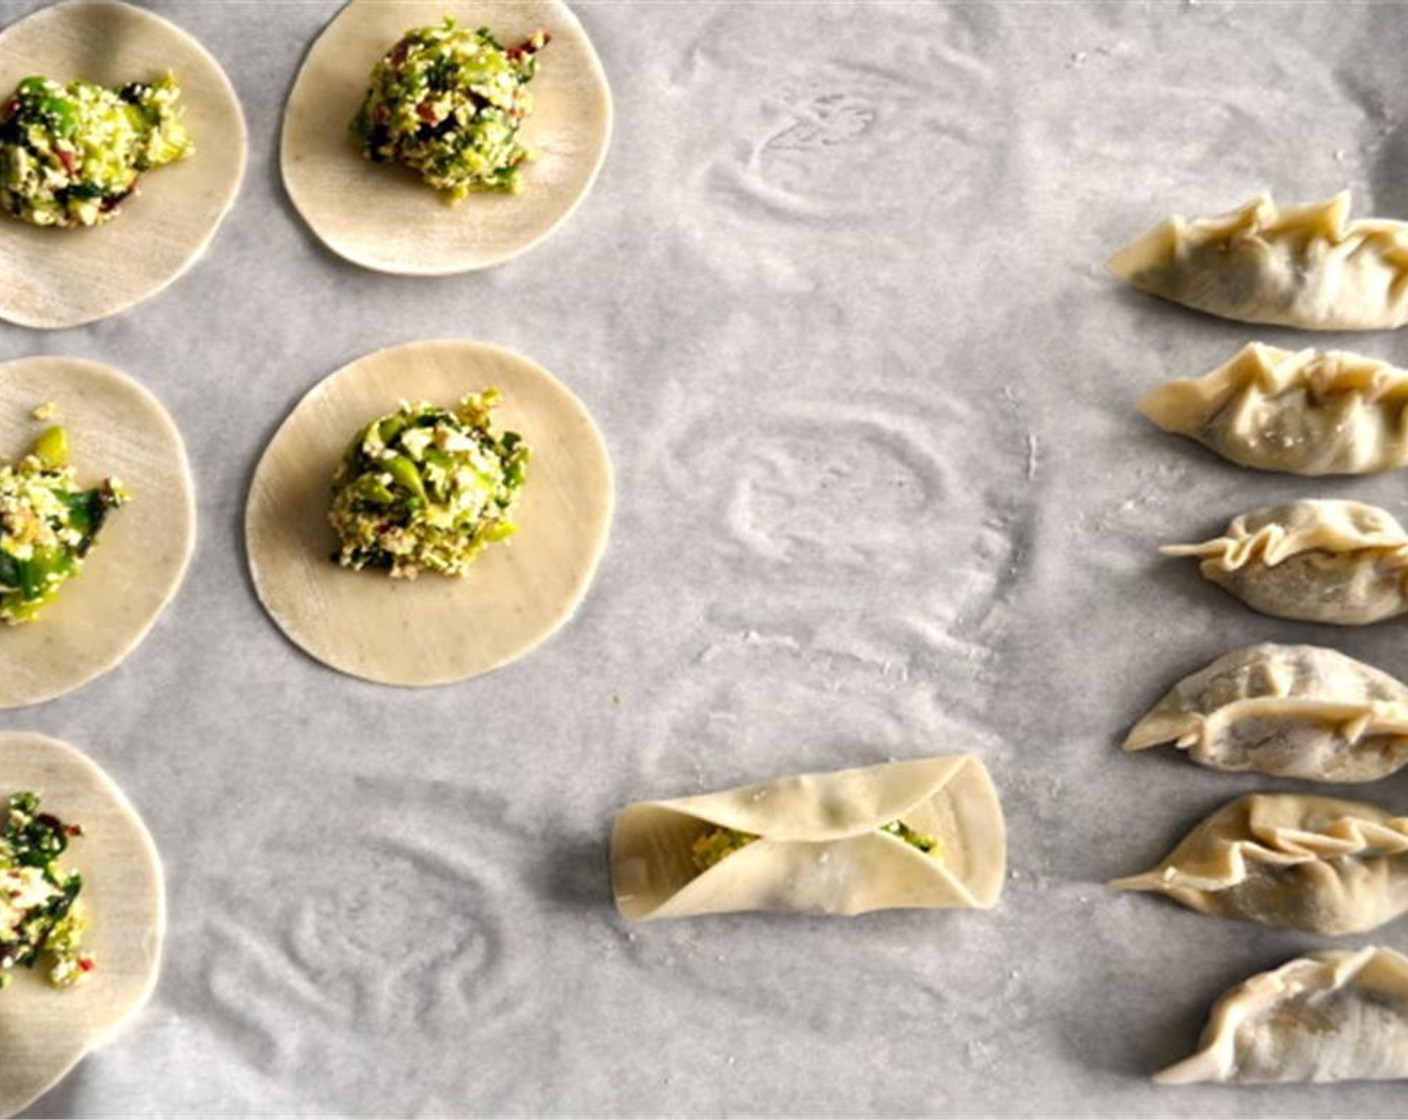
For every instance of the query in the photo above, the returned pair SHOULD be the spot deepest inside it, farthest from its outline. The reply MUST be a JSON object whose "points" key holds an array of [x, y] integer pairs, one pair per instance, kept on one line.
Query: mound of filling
{"points": [[719, 843], [40, 918], [47, 525], [427, 489], [70, 154], [447, 103]]}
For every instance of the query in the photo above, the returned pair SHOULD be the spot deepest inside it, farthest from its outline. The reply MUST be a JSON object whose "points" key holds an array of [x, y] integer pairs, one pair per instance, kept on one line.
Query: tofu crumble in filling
{"points": [[427, 489], [70, 154], [41, 920], [448, 103]]}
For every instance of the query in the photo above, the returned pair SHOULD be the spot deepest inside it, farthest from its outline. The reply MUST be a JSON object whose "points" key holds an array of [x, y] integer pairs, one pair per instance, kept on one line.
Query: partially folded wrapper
{"points": [[819, 848]]}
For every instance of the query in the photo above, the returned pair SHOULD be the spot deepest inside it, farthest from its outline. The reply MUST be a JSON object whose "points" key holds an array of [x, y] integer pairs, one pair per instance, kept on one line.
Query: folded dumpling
{"points": [[1332, 1016], [1289, 711], [1317, 560], [1299, 411], [927, 833], [1286, 859], [1304, 266]]}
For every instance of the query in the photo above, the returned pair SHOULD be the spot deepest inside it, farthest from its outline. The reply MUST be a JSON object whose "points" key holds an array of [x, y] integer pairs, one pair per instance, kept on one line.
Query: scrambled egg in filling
{"points": [[427, 489], [40, 918], [447, 103], [69, 155], [47, 525]]}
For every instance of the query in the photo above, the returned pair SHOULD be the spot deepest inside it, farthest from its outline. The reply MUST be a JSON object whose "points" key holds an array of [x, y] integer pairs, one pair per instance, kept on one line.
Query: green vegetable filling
{"points": [[448, 103], [47, 525], [69, 155], [929, 845], [40, 917], [718, 843], [427, 489]]}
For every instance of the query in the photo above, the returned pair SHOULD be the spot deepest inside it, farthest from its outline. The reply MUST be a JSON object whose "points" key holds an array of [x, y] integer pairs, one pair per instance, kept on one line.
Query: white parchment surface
{"points": [[837, 302]]}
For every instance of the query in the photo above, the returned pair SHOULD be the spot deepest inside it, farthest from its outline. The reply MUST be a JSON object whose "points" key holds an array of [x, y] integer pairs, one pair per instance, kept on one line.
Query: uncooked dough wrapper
{"points": [[1304, 266], [818, 848], [1317, 560], [1314, 863], [1301, 411], [45, 1031], [1289, 711], [56, 278], [1333, 1016], [384, 217], [116, 428], [435, 629]]}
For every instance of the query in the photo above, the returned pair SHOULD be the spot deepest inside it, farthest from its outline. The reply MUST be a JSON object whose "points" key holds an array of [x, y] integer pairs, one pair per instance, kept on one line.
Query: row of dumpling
{"points": [[1325, 865], [1302, 412]]}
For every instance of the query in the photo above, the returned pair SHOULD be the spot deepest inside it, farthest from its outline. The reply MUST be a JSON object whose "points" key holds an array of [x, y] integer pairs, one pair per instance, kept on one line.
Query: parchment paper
{"points": [[837, 303]]}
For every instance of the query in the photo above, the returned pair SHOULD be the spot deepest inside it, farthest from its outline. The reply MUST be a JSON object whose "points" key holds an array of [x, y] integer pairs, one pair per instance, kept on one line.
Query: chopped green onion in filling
{"points": [[69, 155], [47, 525], [929, 845], [718, 843], [427, 489], [447, 103], [40, 918]]}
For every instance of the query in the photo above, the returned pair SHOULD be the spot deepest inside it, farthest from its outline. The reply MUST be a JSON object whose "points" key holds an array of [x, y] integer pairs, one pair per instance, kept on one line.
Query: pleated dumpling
{"points": [[1332, 1016], [1304, 266], [1314, 863], [1290, 711], [1317, 560], [1301, 411]]}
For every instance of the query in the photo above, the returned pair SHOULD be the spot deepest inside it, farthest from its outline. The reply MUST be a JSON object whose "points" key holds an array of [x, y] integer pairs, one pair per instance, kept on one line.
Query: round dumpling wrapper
{"points": [[383, 216], [58, 278], [433, 629], [45, 1031], [116, 429]]}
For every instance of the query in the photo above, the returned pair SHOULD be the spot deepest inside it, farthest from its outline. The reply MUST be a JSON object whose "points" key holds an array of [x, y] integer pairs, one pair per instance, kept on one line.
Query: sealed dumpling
{"points": [[1317, 560], [1332, 1016], [927, 834], [1315, 863], [1299, 411], [1303, 266], [1289, 711]]}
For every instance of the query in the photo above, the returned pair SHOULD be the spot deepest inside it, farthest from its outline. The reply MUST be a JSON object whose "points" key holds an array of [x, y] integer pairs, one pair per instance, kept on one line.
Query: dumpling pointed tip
{"points": [[1133, 883], [1178, 407], [1157, 727], [1147, 252], [1153, 405], [1187, 1072]]}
